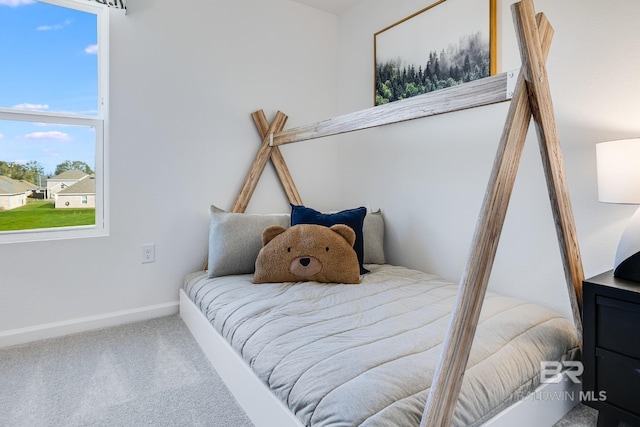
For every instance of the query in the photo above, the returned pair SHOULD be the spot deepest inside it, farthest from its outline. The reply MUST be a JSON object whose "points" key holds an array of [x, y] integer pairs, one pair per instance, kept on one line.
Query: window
{"points": [[53, 117]]}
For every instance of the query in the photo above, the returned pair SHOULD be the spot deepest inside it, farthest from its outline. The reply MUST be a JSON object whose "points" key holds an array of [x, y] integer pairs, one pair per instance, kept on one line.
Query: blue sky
{"points": [[48, 62]]}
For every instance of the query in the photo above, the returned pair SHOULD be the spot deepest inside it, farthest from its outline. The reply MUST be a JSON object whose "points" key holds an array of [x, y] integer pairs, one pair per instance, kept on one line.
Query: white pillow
{"points": [[235, 240], [373, 236]]}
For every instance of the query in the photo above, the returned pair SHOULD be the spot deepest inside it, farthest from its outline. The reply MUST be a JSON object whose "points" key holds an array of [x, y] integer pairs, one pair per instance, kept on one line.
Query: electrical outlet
{"points": [[148, 253]]}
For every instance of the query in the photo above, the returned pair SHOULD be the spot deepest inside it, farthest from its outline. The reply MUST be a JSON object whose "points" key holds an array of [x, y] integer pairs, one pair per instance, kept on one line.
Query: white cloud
{"points": [[53, 135], [54, 27], [51, 153], [92, 49], [15, 3], [1, 136], [32, 107], [49, 27]]}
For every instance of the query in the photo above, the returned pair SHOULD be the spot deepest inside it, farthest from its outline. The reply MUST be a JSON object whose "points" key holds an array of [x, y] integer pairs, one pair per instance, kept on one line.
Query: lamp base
{"points": [[627, 265], [629, 269]]}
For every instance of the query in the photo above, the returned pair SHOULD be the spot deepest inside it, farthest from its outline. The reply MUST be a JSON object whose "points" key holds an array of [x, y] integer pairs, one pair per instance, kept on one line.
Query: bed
{"points": [[430, 353], [364, 355], [331, 354]]}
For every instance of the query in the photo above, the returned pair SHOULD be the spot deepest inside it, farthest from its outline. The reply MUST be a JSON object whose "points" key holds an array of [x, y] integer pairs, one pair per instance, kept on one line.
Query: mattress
{"points": [[365, 355]]}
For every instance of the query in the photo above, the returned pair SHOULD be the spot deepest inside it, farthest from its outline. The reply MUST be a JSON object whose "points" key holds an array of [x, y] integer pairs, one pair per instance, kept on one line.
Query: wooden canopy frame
{"points": [[530, 97]]}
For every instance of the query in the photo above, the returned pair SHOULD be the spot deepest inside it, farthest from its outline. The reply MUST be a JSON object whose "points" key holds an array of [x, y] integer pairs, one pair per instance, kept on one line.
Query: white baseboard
{"points": [[72, 326]]}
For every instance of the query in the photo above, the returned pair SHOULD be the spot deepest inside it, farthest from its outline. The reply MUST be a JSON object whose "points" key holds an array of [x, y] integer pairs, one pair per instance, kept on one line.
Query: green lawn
{"points": [[42, 214]]}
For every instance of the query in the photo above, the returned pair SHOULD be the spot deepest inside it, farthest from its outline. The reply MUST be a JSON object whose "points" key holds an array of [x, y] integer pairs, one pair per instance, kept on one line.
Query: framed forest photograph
{"points": [[447, 43]]}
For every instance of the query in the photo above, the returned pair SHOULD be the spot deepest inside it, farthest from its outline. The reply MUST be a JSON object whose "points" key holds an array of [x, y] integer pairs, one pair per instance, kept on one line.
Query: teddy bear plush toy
{"points": [[307, 252]]}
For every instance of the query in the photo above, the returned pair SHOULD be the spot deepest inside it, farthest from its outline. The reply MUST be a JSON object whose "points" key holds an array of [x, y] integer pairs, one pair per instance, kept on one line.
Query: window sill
{"points": [[39, 235]]}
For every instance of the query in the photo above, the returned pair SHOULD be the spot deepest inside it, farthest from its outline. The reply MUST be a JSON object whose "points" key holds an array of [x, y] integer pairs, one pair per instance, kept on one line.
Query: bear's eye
{"points": [[288, 249], [327, 249]]}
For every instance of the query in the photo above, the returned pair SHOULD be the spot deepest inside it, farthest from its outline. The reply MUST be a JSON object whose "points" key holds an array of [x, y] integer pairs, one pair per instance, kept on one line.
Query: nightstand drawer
{"points": [[618, 325], [619, 377]]}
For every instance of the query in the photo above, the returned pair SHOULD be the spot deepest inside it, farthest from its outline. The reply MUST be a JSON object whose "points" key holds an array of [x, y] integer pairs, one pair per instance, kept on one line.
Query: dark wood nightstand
{"points": [[611, 349]]}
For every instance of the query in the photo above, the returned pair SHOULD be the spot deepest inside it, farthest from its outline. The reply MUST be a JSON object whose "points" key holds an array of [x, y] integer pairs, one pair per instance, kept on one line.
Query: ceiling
{"points": [[335, 7]]}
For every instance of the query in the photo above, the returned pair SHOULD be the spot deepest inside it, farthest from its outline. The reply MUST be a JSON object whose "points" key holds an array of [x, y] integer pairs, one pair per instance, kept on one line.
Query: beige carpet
{"points": [[150, 373]]}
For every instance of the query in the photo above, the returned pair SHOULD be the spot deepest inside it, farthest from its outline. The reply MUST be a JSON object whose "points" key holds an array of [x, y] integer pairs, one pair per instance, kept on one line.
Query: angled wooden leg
{"points": [[447, 380], [533, 68], [278, 160], [263, 155]]}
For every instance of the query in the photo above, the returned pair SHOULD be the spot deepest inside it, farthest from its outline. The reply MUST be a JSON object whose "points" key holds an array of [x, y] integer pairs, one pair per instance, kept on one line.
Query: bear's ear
{"points": [[346, 232], [270, 232]]}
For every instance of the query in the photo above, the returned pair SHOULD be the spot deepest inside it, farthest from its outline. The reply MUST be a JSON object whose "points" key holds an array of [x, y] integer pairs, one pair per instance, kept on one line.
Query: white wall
{"points": [[185, 78], [429, 175]]}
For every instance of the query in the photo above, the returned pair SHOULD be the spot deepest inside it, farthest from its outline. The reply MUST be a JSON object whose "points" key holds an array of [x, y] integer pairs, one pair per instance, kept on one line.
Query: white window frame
{"points": [[98, 122]]}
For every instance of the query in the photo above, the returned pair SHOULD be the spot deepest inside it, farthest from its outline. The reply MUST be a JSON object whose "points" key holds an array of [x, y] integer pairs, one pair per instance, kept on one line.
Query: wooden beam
{"points": [[476, 93], [533, 68], [253, 176], [261, 122], [277, 159], [449, 373], [285, 177]]}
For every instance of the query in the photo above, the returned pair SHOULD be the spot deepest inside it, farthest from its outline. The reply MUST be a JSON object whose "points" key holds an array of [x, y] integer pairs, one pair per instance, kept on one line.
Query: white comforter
{"points": [[364, 355]]}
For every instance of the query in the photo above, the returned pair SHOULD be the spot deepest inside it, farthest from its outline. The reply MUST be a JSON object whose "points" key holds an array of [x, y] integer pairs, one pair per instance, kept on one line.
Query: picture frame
{"points": [[411, 58]]}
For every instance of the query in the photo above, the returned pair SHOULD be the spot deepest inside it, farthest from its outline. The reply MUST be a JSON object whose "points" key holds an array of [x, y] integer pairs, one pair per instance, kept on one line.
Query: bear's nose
{"points": [[305, 266]]}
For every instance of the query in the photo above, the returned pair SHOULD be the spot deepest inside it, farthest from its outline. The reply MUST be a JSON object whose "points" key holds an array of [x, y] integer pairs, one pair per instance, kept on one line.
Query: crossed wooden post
{"points": [[266, 152]]}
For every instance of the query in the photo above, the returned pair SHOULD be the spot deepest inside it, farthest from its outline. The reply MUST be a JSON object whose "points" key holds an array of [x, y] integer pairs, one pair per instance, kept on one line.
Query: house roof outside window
{"points": [[14, 186], [69, 175], [86, 185]]}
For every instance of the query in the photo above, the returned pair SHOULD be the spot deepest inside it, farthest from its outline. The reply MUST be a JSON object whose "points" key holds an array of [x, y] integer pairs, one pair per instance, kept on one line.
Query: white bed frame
{"points": [[544, 407]]}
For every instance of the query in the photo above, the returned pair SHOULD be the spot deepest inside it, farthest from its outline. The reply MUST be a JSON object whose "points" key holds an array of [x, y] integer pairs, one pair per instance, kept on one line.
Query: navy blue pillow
{"points": [[354, 218]]}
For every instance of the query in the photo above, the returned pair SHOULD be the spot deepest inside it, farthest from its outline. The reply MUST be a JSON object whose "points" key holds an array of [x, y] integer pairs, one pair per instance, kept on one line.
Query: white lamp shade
{"points": [[618, 166]]}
